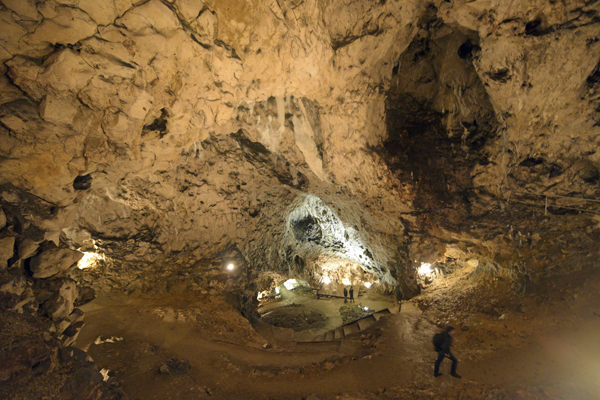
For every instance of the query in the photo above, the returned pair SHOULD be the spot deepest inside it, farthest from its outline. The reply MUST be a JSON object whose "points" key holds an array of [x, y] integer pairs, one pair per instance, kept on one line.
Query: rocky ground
{"points": [[34, 366]]}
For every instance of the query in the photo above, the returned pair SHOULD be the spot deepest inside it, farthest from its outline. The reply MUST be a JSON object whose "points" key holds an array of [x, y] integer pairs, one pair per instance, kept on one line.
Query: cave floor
{"points": [[539, 345], [293, 309]]}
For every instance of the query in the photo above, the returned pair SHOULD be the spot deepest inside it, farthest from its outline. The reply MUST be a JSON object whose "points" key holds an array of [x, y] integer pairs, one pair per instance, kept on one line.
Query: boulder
{"points": [[72, 332], [27, 248], [27, 302], [61, 325], [60, 305], [86, 294], [53, 261], [73, 329], [76, 316], [7, 245]]}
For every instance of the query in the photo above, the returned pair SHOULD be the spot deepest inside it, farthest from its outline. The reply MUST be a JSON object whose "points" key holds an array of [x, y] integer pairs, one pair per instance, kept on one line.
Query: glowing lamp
{"points": [[424, 269], [326, 280], [367, 284], [87, 260], [230, 267]]}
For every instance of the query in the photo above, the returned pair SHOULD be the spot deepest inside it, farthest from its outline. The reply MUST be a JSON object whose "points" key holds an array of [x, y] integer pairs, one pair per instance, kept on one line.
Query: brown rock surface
{"points": [[53, 261]]}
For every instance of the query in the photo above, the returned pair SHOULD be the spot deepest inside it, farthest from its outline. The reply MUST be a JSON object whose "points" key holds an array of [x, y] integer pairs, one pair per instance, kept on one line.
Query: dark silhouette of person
{"points": [[444, 351], [351, 294], [345, 294]]}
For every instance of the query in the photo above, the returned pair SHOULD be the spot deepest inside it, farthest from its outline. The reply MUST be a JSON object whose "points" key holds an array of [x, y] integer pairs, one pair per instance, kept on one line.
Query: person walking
{"points": [[442, 342], [351, 294], [345, 294]]}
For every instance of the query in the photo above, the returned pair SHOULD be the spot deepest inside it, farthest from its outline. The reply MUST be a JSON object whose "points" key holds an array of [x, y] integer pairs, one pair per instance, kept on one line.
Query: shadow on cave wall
{"points": [[439, 118]]}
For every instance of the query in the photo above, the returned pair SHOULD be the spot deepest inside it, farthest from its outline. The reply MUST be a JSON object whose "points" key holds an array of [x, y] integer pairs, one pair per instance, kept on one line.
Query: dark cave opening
{"points": [[436, 136]]}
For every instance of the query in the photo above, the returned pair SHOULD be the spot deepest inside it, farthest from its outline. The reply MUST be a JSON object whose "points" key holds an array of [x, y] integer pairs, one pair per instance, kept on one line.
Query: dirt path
{"points": [[396, 352], [229, 370], [568, 358]]}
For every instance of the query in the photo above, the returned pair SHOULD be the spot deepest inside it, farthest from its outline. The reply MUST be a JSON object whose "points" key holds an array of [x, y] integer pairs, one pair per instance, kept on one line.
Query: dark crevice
{"points": [[533, 28], [82, 182], [159, 125], [554, 170], [231, 50], [467, 49], [594, 78], [531, 162], [501, 75]]}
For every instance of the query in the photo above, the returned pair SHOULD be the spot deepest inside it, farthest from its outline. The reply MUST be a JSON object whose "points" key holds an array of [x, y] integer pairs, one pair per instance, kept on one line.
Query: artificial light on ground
{"points": [[230, 267], [424, 269]]}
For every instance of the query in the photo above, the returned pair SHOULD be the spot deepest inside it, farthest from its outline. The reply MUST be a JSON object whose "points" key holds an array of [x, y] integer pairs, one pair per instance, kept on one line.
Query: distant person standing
{"points": [[345, 294], [442, 342], [351, 294]]}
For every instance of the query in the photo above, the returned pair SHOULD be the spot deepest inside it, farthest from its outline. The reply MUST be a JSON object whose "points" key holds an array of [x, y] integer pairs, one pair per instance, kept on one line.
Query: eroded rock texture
{"points": [[308, 138]]}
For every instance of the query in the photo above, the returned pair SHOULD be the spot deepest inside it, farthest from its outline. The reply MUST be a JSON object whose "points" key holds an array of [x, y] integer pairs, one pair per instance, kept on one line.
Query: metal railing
{"points": [[546, 205]]}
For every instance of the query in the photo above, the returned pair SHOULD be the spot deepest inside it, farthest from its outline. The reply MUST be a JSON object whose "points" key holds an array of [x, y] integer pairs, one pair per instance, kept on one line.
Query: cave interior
{"points": [[287, 199]]}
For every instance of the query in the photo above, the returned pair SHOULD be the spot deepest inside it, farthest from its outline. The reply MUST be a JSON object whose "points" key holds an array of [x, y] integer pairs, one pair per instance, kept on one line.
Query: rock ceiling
{"points": [[288, 134]]}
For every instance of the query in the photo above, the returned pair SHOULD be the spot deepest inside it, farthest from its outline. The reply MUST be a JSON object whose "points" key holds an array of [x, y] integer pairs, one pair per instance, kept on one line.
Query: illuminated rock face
{"points": [[316, 236], [162, 133]]}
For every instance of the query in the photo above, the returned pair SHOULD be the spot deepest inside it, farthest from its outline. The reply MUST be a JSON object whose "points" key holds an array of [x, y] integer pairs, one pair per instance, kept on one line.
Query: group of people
{"points": [[351, 292]]}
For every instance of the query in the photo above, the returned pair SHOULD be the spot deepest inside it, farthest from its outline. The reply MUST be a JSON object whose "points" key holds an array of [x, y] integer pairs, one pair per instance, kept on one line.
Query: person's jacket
{"points": [[446, 342]]}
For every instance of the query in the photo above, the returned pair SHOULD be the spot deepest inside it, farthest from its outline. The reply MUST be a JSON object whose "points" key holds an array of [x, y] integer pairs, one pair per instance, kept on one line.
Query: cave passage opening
{"points": [[318, 245]]}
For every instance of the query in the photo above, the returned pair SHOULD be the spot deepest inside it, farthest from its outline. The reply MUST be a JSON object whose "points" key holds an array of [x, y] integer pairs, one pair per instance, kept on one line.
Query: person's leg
{"points": [[438, 361], [454, 365]]}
